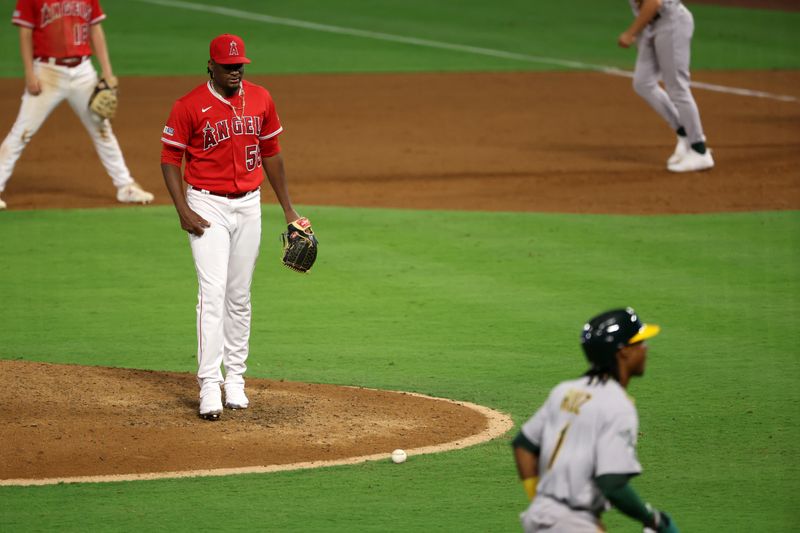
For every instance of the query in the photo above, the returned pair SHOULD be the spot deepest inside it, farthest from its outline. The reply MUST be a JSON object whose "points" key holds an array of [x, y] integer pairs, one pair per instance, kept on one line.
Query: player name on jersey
{"points": [[54, 11], [222, 130]]}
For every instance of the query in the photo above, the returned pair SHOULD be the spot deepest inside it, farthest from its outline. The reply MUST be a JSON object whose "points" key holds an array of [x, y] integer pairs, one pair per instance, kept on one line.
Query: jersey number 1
{"points": [[557, 449]]}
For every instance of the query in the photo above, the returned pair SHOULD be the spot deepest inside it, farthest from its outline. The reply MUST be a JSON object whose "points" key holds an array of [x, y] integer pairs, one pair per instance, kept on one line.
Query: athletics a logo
{"points": [[234, 51]]}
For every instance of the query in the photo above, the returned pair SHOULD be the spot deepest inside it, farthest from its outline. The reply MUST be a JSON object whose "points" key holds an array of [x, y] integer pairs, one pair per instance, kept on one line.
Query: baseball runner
{"points": [[56, 40], [664, 31], [577, 453], [226, 130]]}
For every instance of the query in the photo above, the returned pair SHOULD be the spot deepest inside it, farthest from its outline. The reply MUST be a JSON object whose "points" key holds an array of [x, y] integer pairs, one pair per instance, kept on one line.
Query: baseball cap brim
{"points": [[232, 60], [646, 331]]}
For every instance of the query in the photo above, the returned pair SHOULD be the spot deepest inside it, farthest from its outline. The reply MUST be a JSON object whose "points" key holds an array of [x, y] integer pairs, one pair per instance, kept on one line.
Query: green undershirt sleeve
{"points": [[618, 491], [521, 441]]}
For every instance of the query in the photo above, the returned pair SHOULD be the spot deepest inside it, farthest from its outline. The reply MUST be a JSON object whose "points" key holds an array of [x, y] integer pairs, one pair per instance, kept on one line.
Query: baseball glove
{"points": [[104, 100], [299, 246]]}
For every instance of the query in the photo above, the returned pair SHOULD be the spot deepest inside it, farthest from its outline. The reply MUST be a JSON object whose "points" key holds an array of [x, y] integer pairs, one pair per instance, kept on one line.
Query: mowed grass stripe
{"points": [[484, 307], [156, 40]]}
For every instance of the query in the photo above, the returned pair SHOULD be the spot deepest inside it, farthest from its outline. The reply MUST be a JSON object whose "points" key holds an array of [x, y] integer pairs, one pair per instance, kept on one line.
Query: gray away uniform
{"points": [[664, 50]]}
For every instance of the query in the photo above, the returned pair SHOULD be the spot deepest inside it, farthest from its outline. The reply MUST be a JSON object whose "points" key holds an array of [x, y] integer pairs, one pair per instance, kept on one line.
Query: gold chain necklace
{"points": [[233, 107]]}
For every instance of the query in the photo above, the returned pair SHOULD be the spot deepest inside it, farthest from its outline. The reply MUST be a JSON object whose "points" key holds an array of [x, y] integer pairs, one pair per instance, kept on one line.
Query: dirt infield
{"points": [[66, 422], [554, 142], [558, 142]]}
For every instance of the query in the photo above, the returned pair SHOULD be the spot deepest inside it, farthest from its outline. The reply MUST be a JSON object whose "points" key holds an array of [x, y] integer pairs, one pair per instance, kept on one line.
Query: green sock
{"points": [[700, 147], [681, 132]]}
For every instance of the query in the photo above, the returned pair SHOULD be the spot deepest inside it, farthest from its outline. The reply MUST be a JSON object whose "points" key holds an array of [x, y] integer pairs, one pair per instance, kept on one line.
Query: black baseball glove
{"points": [[104, 100], [299, 246]]}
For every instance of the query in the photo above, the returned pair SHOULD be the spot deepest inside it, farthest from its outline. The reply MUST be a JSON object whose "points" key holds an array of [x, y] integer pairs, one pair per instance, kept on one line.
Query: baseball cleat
{"points": [[210, 402], [681, 148], [693, 162], [2, 204], [235, 398], [134, 194], [214, 415]]}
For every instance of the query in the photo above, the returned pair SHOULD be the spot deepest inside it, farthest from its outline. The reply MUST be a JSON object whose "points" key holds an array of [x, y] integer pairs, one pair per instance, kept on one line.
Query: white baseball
{"points": [[399, 456]]}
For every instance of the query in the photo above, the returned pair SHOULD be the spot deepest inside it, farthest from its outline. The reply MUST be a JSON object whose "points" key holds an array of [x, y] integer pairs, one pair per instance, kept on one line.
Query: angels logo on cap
{"points": [[227, 49]]}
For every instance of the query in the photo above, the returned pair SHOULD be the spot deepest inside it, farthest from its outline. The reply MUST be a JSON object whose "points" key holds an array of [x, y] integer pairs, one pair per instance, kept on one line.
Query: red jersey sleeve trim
{"points": [[271, 135], [20, 22], [98, 19], [173, 143]]}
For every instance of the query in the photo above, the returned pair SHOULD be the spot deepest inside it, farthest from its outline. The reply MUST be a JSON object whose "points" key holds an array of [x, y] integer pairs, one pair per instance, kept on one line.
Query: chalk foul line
{"points": [[501, 54]]}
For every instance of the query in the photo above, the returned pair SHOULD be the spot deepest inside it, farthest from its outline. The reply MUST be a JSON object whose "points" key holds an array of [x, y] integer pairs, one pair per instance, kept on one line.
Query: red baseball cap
{"points": [[228, 49]]}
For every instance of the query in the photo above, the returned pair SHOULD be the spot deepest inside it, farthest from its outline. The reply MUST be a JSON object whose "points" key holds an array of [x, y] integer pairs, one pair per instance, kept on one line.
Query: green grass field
{"points": [[485, 309], [149, 39], [470, 321]]}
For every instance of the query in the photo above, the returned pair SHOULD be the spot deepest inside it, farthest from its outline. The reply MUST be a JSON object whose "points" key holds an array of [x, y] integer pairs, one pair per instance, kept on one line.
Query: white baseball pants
{"points": [[58, 84], [225, 258]]}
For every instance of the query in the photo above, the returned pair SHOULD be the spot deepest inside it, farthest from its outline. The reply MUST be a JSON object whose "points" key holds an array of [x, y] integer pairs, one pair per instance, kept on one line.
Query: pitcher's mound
{"points": [[65, 422]]}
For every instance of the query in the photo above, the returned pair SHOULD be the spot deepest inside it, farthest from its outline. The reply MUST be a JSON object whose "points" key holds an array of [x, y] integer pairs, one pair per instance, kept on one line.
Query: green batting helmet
{"points": [[604, 335]]}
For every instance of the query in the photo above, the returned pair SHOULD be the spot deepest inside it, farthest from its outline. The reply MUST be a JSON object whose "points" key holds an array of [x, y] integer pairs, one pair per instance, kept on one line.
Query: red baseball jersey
{"points": [[60, 28], [223, 139]]}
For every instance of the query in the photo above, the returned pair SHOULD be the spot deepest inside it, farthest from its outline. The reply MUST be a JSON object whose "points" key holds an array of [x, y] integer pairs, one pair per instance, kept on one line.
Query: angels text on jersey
{"points": [[56, 10], [222, 130]]}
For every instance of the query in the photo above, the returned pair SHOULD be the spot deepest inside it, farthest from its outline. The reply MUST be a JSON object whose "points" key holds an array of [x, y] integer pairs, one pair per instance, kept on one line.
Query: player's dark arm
{"points": [[526, 455], [618, 490], [276, 174], [190, 221]]}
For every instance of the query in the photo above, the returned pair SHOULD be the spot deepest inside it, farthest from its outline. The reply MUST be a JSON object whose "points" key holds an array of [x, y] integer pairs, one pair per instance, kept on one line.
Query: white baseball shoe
{"points": [[210, 401], [693, 162], [235, 398], [681, 148], [134, 194], [2, 204]]}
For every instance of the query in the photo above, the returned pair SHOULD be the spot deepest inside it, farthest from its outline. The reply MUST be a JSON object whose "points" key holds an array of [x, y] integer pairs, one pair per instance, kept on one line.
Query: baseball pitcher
{"points": [[226, 130], [577, 453], [56, 40]]}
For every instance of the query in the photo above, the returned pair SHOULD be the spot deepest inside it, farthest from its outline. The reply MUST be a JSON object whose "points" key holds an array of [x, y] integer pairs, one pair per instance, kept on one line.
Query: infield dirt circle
{"points": [[555, 142]]}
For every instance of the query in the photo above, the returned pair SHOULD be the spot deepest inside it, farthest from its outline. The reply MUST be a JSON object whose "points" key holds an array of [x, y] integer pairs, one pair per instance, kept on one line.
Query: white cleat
{"points": [[210, 402], [693, 162], [2, 204], [235, 398], [134, 194], [681, 148]]}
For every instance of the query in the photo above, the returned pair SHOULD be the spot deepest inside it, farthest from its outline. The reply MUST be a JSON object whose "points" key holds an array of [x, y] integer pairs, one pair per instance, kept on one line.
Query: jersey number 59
{"points": [[252, 156]]}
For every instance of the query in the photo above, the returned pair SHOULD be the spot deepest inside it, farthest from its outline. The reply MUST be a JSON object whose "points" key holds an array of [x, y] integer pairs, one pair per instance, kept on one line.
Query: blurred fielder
{"points": [[663, 32], [56, 40], [577, 453]]}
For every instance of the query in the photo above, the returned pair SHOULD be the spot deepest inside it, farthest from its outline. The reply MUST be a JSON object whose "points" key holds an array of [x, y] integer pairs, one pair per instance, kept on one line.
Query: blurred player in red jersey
{"points": [[226, 130], [56, 40]]}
